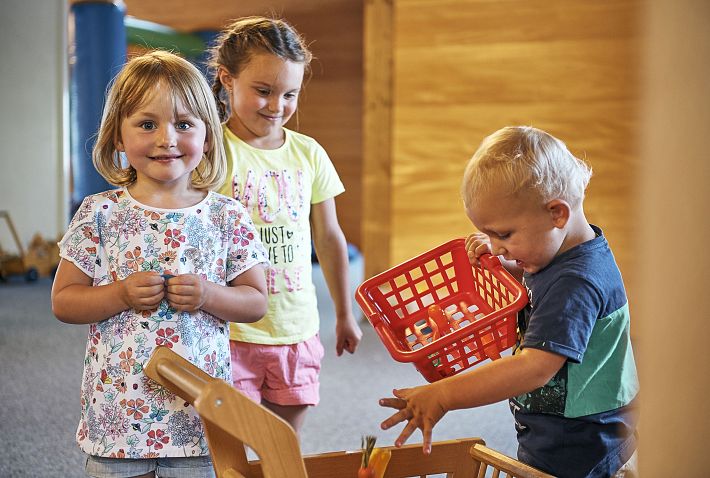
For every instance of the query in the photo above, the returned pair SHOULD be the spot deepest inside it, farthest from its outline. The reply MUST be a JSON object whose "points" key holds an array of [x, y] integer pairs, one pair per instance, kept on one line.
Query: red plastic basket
{"points": [[441, 313]]}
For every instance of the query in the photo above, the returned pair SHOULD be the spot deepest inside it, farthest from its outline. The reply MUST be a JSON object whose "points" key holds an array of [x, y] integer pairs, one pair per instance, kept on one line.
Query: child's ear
{"points": [[559, 212], [225, 78]]}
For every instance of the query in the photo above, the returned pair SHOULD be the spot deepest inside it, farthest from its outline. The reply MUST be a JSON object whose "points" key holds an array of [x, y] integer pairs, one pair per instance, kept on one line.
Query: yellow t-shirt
{"points": [[277, 187]]}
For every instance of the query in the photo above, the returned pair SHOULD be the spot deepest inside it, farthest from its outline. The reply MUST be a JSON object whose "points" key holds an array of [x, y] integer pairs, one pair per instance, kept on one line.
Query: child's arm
{"points": [[243, 300], [478, 244], [422, 407], [332, 251], [76, 301]]}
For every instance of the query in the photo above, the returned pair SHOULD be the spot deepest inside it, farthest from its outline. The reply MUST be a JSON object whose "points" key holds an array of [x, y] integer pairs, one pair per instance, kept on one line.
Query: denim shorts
{"points": [[173, 467]]}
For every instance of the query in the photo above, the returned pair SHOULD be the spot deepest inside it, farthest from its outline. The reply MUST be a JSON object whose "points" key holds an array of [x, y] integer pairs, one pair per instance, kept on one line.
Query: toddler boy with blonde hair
{"points": [[571, 381]]}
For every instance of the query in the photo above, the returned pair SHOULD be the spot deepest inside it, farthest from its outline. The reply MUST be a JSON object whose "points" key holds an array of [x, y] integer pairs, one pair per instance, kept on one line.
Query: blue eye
{"points": [[263, 91], [148, 125], [183, 125]]}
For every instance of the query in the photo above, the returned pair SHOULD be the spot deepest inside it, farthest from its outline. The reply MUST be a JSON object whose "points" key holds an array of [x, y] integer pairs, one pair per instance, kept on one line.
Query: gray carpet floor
{"points": [[40, 373]]}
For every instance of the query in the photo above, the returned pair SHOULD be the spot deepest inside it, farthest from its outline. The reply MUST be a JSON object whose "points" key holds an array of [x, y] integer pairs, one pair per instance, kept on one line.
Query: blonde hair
{"points": [[520, 158], [247, 36], [131, 88]]}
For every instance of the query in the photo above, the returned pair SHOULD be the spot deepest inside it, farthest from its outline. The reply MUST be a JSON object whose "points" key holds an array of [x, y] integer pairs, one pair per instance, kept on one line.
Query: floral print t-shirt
{"points": [[125, 414]]}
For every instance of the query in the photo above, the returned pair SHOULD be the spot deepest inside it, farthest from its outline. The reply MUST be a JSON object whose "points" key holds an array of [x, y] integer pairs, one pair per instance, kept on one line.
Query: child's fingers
{"points": [[409, 428], [472, 258], [392, 421], [185, 292], [400, 416], [345, 344], [426, 436], [146, 279], [397, 403], [470, 239], [184, 302], [482, 249], [150, 302], [177, 290], [477, 244]]}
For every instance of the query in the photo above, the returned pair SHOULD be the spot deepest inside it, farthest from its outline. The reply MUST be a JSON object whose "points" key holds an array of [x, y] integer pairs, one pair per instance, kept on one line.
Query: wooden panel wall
{"points": [[464, 68], [331, 106], [378, 126], [673, 280]]}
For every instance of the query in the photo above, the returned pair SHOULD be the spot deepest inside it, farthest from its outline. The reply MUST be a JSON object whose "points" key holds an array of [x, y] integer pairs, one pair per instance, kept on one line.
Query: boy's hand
{"points": [[477, 244], [422, 407], [186, 292], [347, 335], [142, 290]]}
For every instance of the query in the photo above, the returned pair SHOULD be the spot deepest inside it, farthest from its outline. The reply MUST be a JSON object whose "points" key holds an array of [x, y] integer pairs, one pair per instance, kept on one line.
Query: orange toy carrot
{"points": [[374, 460]]}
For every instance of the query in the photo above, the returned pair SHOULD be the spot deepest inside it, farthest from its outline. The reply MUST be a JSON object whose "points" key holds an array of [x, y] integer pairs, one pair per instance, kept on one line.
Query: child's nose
{"points": [[167, 136], [275, 104], [497, 249]]}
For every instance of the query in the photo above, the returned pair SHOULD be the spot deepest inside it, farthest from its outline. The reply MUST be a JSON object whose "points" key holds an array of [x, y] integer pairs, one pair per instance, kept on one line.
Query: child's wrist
{"points": [[122, 293], [444, 395], [206, 293], [344, 317]]}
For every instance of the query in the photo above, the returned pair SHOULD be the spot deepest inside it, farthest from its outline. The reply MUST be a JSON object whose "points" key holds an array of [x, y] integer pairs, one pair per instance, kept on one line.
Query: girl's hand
{"points": [[142, 290], [347, 335], [422, 407], [186, 292], [477, 244]]}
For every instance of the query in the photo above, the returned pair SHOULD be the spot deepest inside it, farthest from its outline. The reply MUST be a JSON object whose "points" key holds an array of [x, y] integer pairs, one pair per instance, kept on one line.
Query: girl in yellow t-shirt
{"points": [[288, 184]]}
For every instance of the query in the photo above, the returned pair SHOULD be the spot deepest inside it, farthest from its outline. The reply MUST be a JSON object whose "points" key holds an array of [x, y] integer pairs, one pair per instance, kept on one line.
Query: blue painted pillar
{"points": [[200, 61], [99, 47]]}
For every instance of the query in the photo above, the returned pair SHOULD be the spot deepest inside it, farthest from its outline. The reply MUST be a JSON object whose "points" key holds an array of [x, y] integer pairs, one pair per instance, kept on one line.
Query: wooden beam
{"points": [[377, 136]]}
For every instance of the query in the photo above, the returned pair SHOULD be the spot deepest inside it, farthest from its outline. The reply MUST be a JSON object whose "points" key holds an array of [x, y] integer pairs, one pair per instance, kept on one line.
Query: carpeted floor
{"points": [[40, 372]]}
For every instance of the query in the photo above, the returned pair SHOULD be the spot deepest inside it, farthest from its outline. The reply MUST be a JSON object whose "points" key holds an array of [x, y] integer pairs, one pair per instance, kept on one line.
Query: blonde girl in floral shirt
{"points": [[160, 261]]}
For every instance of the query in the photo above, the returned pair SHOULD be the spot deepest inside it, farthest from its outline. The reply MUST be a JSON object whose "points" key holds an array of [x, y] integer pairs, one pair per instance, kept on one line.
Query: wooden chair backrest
{"points": [[230, 420], [490, 463]]}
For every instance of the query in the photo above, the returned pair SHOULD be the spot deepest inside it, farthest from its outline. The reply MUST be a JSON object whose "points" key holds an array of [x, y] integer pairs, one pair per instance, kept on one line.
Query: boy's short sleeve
{"points": [[563, 319]]}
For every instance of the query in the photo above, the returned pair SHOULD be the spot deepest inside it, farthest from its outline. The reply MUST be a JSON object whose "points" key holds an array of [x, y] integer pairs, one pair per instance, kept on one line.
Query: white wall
{"points": [[32, 71]]}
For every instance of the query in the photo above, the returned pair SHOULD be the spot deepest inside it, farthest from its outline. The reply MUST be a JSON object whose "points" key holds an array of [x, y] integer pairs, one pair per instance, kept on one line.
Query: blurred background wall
{"points": [[34, 184], [672, 241], [461, 69]]}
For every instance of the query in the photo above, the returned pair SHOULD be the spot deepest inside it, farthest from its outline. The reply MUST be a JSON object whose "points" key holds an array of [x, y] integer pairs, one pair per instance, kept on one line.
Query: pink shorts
{"points": [[280, 374]]}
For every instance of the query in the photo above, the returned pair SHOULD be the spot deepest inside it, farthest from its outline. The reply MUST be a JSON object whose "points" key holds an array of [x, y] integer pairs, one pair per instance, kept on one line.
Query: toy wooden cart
{"points": [[232, 421], [40, 259]]}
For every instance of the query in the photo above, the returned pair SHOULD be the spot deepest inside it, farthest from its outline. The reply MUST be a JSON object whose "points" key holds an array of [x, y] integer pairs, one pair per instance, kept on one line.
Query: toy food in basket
{"points": [[442, 314]]}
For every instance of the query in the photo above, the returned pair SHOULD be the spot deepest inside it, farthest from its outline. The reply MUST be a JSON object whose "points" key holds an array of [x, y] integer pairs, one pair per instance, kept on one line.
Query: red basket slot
{"points": [[442, 314]]}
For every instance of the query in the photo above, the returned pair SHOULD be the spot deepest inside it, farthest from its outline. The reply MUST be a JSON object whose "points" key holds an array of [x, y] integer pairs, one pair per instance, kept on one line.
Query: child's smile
{"points": [[163, 140], [263, 97]]}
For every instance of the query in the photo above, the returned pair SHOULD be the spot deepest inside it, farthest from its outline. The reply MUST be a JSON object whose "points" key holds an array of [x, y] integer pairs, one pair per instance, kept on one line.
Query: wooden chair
{"points": [[489, 462], [232, 421]]}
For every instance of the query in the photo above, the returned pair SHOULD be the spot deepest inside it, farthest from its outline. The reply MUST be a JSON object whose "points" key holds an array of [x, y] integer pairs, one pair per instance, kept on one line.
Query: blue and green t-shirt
{"points": [[583, 421]]}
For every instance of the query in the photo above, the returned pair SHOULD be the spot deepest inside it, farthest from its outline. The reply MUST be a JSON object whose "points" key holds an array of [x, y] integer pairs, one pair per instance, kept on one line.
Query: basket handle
{"points": [[370, 313], [489, 261]]}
